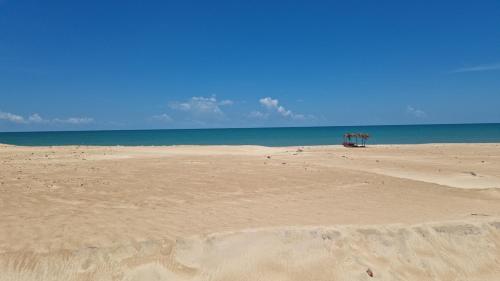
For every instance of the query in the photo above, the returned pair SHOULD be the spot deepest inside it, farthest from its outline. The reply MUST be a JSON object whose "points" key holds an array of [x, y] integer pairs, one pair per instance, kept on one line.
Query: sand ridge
{"points": [[436, 251]]}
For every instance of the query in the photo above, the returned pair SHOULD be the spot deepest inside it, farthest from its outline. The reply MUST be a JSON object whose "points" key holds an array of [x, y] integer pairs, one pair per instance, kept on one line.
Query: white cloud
{"points": [[12, 117], [418, 113], [205, 106], [258, 115], [483, 67], [162, 117], [269, 102], [302, 116], [35, 118], [226, 102], [75, 120], [272, 105]]}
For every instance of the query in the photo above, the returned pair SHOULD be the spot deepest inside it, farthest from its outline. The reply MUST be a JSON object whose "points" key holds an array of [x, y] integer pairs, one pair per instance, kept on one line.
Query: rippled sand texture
{"points": [[408, 212]]}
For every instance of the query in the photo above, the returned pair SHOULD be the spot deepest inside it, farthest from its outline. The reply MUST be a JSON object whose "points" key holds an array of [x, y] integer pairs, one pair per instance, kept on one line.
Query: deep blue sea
{"points": [[399, 134]]}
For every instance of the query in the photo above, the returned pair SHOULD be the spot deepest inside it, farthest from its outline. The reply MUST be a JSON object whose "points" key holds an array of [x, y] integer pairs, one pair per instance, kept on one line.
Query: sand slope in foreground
{"points": [[441, 251]]}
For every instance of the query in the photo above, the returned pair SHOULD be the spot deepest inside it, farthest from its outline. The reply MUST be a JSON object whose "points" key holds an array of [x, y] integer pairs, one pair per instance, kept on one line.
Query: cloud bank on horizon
{"points": [[198, 111], [35, 118]]}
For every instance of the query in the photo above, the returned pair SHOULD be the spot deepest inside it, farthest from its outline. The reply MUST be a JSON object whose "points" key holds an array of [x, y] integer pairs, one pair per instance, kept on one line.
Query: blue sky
{"points": [[78, 65]]}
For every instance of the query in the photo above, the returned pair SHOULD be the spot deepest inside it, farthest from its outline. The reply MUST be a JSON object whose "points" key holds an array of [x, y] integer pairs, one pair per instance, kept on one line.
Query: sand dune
{"points": [[405, 212]]}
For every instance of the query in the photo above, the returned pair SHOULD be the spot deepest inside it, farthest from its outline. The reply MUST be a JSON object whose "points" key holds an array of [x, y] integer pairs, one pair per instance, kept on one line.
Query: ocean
{"points": [[290, 136]]}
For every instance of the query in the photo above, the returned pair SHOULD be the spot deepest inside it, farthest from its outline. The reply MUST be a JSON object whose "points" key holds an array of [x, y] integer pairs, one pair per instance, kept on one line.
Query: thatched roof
{"points": [[357, 135]]}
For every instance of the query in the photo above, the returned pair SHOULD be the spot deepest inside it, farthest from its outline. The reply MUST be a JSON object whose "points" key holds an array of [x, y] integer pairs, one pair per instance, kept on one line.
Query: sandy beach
{"points": [[385, 212]]}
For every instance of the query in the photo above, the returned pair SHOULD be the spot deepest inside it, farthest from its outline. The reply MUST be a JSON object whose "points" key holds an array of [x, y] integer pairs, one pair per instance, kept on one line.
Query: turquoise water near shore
{"points": [[397, 134]]}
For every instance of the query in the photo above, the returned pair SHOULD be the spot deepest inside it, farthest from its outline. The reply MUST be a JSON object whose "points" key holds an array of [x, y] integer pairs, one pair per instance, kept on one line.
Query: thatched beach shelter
{"points": [[355, 139]]}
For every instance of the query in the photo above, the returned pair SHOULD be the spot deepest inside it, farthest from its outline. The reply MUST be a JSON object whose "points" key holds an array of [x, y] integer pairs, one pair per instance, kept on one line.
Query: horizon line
{"points": [[243, 128]]}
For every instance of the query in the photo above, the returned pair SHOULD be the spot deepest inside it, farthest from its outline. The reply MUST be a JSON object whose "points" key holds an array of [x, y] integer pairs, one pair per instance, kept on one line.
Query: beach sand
{"points": [[386, 212]]}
